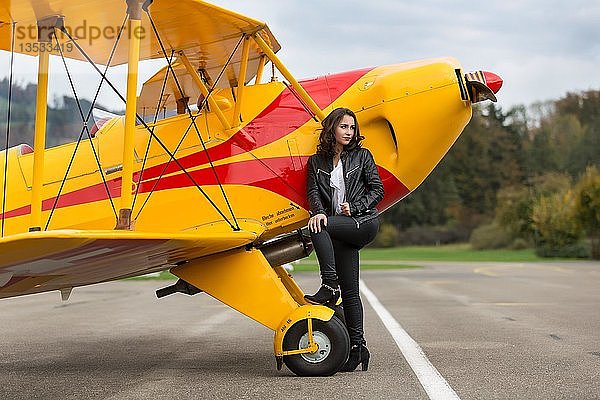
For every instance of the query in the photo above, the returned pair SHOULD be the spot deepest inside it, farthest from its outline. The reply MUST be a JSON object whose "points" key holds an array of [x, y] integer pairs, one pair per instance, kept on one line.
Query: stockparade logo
{"points": [[27, 36]]}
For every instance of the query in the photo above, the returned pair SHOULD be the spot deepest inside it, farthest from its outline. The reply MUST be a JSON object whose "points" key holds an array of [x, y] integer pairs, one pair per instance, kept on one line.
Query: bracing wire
{"points": [[164, 170], [85, 128], [140, 177], [292, 91], [10, 83], [193, 118], [64, 180], [141, 120]]}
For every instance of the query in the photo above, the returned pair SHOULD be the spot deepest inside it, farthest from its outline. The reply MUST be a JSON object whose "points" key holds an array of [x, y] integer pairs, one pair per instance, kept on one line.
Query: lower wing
{"points": [[41, 261]]}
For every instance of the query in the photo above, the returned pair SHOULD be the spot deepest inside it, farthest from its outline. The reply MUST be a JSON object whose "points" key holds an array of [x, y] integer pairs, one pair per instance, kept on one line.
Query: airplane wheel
{"points": [[339, 312], [334, 346]]}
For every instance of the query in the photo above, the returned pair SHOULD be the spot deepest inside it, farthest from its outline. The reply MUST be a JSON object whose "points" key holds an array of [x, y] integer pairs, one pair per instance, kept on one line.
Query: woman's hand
{"points": [[345, 209], [314, 223]]}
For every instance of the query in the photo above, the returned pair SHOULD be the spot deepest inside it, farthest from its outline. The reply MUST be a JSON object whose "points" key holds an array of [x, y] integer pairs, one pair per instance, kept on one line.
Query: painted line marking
{"points": [[210, 323], [432, 381], [495, 270]]}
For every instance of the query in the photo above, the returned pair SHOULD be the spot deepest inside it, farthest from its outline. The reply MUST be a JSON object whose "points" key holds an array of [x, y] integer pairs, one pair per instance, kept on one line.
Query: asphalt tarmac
{"points": [[491, 330]]}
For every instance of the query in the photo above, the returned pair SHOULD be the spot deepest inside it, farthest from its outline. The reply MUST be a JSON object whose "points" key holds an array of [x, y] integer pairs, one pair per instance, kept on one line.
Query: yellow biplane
{"points": [[205, 174]]}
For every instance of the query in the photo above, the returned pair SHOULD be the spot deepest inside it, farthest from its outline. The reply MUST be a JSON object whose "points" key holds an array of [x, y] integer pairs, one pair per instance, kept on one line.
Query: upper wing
{"points": [[207, 34], [51, 260]]}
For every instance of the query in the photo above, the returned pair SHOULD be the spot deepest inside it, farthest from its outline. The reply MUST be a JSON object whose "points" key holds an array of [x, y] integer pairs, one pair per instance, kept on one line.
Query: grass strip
{"points": [[396, 257]]}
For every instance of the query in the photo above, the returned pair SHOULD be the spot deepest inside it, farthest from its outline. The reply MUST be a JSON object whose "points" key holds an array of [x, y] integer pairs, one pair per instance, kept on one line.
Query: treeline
{"points": [[527, 177], [63, 117]]}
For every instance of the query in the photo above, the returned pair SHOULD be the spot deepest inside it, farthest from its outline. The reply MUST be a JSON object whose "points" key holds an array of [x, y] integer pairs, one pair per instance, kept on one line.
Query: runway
{"points": [[490, 330]]}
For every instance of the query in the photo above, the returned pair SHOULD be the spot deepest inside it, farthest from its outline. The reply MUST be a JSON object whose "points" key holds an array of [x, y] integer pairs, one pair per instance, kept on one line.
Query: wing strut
{"points": [[141, 174], [134, 10], [261, 68], [205, 92], [303, 94], [45, 29], [241, 81]]}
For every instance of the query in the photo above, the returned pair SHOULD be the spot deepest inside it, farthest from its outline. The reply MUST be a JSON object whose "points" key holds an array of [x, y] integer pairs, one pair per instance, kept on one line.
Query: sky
{"points": [[542, 49]]}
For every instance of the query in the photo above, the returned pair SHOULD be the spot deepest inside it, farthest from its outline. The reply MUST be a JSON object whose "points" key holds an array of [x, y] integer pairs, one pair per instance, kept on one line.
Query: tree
{"points": [[585, 152], [513, 211], [515, 203], [543, 155], [587, 206], [487, 156], [585, 105], [558, 232]]}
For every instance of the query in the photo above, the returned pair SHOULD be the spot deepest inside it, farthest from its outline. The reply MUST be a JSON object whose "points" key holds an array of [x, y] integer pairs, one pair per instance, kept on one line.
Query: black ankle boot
{"points": [[359, 354], [325, 295]]}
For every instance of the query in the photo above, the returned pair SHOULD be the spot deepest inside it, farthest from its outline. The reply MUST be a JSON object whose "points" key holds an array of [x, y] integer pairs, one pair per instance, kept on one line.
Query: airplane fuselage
{"points": [[410, 115]]}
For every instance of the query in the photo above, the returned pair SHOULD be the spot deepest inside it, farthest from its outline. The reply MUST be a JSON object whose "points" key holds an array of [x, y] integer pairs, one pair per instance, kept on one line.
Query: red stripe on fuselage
{"points": [[263, 173], [267, 174]]}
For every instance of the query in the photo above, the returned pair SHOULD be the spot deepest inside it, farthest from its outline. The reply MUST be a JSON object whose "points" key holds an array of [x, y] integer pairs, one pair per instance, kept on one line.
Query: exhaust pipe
{"points": [[288, 248], [180, 286]]}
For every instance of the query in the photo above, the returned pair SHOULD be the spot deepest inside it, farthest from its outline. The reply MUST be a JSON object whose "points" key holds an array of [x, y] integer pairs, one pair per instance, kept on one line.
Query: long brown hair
{"points": [[326, 145]]}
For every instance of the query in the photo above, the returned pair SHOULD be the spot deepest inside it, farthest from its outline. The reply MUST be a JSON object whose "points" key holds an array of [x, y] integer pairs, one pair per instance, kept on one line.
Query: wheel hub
{"points": [[322, 342]]}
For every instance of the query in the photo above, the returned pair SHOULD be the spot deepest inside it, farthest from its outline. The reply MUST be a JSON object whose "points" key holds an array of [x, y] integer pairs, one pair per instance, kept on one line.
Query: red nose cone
{"points": [[492, 81]]}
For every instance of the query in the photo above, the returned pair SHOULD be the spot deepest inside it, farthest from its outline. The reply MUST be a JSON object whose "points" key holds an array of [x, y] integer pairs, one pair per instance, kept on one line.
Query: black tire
{"points": [[333, 351], [338, 311]]}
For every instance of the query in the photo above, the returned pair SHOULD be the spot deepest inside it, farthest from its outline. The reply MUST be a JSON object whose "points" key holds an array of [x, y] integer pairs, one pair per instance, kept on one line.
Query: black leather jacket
{"points": [[364, 189]]}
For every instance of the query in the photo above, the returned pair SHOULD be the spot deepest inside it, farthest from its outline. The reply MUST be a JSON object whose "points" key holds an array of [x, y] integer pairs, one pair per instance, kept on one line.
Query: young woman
{"points": [[343, 189]]}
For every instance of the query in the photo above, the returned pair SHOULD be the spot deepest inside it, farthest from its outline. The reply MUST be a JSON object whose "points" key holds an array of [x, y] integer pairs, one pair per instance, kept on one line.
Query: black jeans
{"points": [[337, 247]]}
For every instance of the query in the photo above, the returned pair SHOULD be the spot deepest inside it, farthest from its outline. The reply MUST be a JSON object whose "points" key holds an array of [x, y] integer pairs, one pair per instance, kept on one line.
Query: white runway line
{"points": [[432, 381], [210, 323]]}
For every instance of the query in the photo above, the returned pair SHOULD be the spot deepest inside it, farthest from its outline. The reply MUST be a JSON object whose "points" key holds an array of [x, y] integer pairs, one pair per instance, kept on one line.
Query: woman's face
{"points": [[344, 131]]}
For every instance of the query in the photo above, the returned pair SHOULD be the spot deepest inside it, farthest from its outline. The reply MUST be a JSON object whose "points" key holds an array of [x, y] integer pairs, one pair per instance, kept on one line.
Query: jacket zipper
{"points": [[346, 182], [351, 171]]}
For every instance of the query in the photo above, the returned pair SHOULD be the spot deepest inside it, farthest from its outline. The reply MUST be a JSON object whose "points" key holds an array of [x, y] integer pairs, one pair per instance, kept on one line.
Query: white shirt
{"points": [[339, 188]]}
